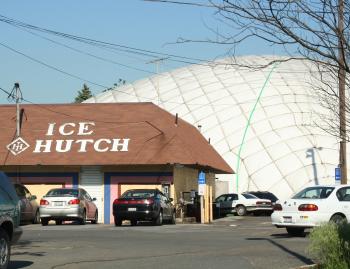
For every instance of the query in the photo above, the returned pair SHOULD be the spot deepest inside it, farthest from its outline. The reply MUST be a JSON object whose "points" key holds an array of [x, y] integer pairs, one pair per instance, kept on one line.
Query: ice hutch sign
{"points": [[81, 129]]}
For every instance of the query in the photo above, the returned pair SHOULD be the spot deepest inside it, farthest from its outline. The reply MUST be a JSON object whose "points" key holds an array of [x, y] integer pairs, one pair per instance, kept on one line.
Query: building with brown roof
{"points": [[105, 149]]}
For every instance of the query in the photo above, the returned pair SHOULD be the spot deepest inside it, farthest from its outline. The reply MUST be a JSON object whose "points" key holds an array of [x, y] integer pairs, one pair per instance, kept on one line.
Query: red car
{"points": [[28, 203]]}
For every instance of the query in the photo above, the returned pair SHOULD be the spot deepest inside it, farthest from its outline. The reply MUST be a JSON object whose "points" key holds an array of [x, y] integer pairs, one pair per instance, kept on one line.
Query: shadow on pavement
{"points": [[26, 247], [36, 254], [19, 264], [302, 258], [286, 235]]}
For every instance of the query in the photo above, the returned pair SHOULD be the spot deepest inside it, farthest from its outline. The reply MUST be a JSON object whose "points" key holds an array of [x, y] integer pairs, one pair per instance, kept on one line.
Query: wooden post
{"points": [[182, 213], [202, 209], [207, 204], [210, 203]]}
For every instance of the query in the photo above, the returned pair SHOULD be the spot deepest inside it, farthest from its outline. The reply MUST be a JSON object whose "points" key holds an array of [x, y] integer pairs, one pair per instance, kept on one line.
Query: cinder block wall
{"points": [[185, 179]]}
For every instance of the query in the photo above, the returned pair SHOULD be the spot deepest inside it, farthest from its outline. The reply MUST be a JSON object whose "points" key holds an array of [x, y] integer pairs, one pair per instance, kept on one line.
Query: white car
{"points": [[241, 204], [311, 207]]}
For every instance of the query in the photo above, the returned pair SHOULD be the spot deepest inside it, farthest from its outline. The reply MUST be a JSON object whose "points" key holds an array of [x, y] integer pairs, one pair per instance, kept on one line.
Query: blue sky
{"points": [[132, 23]]}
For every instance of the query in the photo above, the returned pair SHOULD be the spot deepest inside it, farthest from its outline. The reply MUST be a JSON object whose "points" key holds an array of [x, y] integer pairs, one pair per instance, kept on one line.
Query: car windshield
{"points": [[63, 192], [314, 193], [20, 191], [249, 196], [139, 194], [221, 198], [271, 197]]}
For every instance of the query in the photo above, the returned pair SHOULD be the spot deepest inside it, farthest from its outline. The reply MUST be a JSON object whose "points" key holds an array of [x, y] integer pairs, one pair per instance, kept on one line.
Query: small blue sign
{"points": [[201, 178], [337, 174]]}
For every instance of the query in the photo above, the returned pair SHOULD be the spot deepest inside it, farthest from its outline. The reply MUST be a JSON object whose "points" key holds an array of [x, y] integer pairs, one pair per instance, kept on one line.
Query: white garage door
{"points": [[91, 180]]}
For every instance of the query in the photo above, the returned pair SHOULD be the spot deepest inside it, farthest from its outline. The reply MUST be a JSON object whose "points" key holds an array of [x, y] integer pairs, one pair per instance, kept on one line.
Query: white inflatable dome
{"points": [[261, 121]]}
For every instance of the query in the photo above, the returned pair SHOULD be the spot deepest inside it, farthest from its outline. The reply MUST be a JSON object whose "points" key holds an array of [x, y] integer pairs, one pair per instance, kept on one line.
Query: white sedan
{"points": [[241, 203], [311, 207]]}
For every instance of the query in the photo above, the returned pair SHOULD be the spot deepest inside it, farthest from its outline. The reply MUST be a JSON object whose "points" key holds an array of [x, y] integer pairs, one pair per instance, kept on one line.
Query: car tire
{"points": [[173, 218], [133, 222], [117, 222], [59, 222], [293, 231], [44, 221], [95, 220], [82, 221], [5, 249], [36, 219], [159, 219], [241, 210], [338, 219]]}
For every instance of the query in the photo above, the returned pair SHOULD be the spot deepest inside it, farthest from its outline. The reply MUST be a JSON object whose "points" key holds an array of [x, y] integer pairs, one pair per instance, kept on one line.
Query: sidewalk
{"points": [[230, 220]]}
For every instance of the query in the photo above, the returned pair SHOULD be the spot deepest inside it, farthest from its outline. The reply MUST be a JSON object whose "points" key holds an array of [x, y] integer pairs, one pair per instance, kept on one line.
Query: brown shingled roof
{"points": [[154, 136]]}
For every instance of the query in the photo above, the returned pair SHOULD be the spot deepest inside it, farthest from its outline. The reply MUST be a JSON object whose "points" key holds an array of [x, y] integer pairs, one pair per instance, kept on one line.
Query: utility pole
{"points": [[18, 96], [157, 62], [341, 80]]}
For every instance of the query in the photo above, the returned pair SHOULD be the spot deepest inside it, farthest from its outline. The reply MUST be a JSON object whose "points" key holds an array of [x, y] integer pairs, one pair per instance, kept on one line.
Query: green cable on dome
{"points": [[248, 124]]}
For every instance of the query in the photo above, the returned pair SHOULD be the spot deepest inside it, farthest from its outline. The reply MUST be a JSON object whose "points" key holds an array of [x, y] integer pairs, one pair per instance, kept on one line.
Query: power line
{"points": [[85, 80], [84, 52], [302, 9], [181, 3], [95, 42], [133, 50], [64, 72], [52, 67], [68, 74]]}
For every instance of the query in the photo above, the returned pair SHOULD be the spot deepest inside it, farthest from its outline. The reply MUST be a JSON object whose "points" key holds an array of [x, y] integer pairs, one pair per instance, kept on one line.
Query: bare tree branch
{"points": [[304, 29]]}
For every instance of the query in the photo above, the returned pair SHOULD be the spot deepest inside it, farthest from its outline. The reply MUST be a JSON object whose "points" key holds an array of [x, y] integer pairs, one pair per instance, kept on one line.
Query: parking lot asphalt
{"points": [[232, 242]]}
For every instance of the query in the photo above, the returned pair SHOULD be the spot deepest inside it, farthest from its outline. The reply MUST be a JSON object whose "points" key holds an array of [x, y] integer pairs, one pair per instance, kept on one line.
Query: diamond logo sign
{"points": [[17, 146]]}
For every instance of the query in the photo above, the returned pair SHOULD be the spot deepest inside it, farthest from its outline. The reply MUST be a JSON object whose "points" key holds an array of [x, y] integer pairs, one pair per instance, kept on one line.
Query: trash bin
{"points": [[216, 210]]}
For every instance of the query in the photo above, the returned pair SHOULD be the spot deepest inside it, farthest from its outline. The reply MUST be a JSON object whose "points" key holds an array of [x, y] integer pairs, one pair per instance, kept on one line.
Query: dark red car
{"points": [[28, 203], [143, 205]]}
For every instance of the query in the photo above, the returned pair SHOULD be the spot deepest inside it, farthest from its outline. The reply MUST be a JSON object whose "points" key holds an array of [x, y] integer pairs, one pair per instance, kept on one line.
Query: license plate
{"points": [[58, 203], [287, 219], [131, 209]]}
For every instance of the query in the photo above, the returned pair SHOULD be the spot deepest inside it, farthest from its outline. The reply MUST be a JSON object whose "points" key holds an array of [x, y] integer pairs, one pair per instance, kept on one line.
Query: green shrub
{"points": [[329, 246]]}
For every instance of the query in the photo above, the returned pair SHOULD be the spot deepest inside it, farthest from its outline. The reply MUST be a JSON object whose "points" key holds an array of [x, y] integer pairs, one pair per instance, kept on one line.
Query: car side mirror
{"points": [[33, 197], [94, 199]]}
